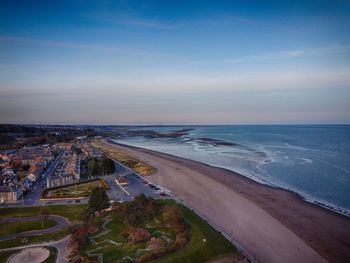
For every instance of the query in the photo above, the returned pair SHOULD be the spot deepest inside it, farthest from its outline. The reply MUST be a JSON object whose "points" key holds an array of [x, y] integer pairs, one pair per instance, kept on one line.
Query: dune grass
{"points": [[124, 157]]}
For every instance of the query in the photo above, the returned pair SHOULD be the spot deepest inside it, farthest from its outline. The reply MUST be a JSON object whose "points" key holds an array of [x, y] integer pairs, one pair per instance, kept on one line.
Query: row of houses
{"points": [[20, 169], [67, 171], [36, 160]]}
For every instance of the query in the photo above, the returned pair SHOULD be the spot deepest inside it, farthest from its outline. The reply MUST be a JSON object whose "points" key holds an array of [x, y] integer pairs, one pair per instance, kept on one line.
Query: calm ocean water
{"points": [[311, 160]]}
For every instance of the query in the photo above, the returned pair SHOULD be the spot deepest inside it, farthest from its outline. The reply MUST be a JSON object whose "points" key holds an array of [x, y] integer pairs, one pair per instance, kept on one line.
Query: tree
{"points": [[94, 167], [98, 199], [43, 215], [108, 166]]}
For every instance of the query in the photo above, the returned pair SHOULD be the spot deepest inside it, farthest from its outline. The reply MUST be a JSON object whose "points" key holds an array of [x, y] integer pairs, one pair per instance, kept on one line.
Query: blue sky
{"points": [[174, 62]]}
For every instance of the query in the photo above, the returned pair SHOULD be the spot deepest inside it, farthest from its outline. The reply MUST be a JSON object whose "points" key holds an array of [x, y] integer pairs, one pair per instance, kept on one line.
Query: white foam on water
{"points": [[247, 160]]}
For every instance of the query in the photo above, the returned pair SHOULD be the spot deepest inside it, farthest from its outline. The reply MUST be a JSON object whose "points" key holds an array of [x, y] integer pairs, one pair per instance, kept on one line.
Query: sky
{"points": [[174, 62]]}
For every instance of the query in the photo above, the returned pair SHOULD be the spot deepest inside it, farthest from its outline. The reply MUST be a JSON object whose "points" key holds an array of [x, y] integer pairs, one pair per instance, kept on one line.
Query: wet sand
{"points": [[273, 224]]}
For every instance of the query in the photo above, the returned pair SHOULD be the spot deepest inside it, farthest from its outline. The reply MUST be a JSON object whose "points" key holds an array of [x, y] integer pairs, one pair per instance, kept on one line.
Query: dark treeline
{"points": [[16, 136]]}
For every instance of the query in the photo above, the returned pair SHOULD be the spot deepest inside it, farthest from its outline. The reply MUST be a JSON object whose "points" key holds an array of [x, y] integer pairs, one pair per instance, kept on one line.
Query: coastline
{"points": [[271, 223]]}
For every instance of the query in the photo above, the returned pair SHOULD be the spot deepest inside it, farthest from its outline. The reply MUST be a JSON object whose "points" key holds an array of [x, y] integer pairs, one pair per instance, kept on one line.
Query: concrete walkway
{"points": [[59, 244]]}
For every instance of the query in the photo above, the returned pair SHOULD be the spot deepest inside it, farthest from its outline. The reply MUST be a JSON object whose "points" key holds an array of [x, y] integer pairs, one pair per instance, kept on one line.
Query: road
{"points": [[61, 244], [61, 222], [115, 192], [33, 195]]}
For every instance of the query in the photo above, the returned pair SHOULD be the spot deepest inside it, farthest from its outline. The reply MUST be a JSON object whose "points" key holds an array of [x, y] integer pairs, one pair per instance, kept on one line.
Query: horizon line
{"points": [[149, 125]]}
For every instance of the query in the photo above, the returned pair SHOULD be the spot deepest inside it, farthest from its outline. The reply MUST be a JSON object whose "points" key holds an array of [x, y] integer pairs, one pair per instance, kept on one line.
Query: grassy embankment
{"points": [[74, 190], [125, 158], [203, 242], [196, 250], [71, 212]]}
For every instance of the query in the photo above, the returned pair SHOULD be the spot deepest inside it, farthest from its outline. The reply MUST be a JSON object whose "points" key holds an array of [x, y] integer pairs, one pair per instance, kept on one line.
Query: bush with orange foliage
{"points": [[136, 235]]}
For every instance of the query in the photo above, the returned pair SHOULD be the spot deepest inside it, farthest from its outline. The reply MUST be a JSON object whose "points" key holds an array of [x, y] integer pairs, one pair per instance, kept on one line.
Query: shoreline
{"points": [[319, 203], [311, 229], [303, 195]]}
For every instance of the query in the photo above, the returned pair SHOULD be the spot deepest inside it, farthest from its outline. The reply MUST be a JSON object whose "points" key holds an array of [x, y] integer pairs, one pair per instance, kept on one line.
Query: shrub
{"points": [[136, 235]]}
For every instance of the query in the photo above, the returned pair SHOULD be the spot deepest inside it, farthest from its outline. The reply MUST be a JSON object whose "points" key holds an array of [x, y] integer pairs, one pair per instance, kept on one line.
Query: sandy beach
{"points": [[273, 224]]}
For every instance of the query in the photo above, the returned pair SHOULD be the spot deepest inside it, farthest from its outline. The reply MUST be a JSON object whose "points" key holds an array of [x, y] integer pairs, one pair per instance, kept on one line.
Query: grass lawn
{"points": [[196, 250], [53, 255], [18, 227], [125, 158], [110, 252], [5, 255], [79, 190], [71, 212], [21, 241]]}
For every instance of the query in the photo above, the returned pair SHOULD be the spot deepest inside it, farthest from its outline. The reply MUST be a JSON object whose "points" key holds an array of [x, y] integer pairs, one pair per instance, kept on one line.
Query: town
{"points": [[65, 190], [28, 172]]}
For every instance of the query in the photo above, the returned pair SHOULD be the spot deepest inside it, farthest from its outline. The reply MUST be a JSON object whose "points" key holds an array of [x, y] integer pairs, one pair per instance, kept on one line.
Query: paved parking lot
{"points": [[136, 185]]}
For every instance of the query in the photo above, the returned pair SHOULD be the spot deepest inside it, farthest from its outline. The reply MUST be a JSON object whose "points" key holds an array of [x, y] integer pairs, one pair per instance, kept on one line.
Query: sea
{"points": [[310, 160]]}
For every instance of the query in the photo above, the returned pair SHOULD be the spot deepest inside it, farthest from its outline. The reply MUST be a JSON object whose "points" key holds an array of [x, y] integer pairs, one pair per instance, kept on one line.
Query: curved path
{"points": [[60, 244], [60, 223]]}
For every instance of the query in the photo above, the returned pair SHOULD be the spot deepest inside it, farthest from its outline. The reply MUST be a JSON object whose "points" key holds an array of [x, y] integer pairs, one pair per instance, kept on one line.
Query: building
{"points": [[62, 179], [32, 155], [64, 145], [81, 138], [10, 193], [34, 174]]}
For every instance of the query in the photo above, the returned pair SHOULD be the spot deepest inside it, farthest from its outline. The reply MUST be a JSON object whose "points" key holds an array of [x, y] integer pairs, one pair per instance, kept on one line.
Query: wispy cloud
{"points": [[288, 54], [230, 21], [111, 86], [81, 46], [63, 44], [139, 22]]}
